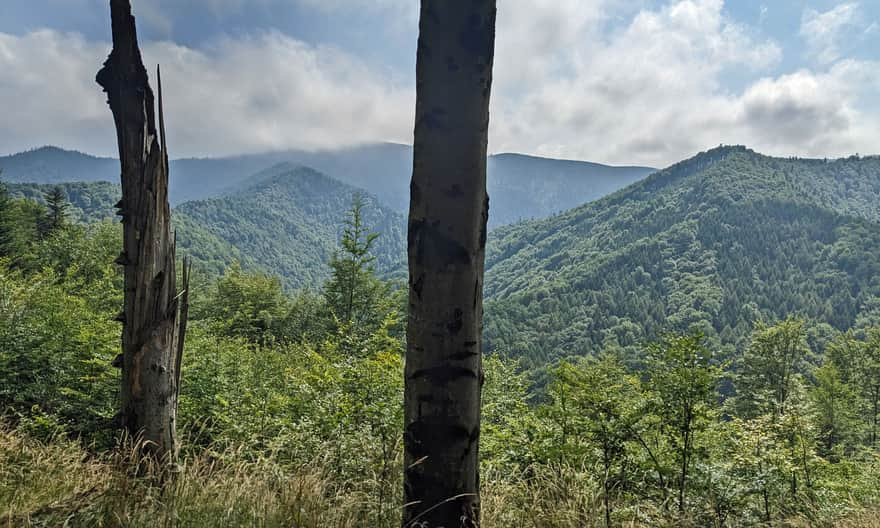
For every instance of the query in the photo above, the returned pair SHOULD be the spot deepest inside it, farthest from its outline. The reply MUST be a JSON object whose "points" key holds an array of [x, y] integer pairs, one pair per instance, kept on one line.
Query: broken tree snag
{"points": [[446, 249], [154, 315]]}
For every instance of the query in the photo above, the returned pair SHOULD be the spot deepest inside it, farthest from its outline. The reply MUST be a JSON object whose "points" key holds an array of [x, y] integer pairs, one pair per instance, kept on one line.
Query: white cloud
{"points": [[648, 93], [813, 113], [272, 91], [48, 94], [599, 80], [824, 31], [250, 94]]}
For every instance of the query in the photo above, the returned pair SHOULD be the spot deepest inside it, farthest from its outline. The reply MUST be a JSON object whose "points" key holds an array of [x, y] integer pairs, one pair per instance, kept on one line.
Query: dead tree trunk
{"points": [[154, 317], [447, 237]]}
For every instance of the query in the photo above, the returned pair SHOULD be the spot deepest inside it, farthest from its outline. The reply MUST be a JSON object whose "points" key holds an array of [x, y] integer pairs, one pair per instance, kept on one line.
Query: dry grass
{"points": [[60, 484]]}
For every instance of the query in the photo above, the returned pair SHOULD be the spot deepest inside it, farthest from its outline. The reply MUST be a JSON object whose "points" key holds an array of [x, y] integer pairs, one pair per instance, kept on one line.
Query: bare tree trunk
{"points": [[154, 318], [446, 246]]}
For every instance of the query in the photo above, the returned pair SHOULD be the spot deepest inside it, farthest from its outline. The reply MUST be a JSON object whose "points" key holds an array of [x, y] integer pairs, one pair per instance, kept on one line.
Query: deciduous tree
{"points": [[449, 208]]}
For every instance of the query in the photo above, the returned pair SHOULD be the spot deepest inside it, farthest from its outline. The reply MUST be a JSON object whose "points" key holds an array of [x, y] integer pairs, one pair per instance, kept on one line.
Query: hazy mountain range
{"points": [[520, 187]]}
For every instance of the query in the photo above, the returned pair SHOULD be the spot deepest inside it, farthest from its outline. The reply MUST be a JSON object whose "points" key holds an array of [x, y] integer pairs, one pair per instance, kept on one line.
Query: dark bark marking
{"points": [[473, 438], [443, 374], [440, 432], [473, 37], [418, 286], [461, 356], [485, 222], [476, 293], [434, 249], [455, 325], [434, 119]]}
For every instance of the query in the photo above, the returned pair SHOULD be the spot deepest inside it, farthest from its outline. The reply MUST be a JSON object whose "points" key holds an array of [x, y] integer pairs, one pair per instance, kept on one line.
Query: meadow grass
{"points": [[59, 483]]}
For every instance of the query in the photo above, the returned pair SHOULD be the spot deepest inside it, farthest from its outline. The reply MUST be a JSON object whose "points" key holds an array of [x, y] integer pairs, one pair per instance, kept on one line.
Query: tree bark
{"points": [[446, 247], [154, 316]]}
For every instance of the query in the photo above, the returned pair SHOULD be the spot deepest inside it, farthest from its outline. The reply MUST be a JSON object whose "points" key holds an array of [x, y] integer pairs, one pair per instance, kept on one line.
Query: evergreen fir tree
{"points": [[56, 204], [354, 294]]}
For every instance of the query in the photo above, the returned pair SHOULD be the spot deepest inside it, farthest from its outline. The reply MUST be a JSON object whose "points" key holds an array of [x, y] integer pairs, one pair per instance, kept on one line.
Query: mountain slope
{"points": [[521, 187], [288, 223], [713, 243]]}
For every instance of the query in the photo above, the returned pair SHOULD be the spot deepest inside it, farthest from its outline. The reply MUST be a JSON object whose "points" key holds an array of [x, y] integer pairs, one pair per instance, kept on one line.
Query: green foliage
{"points": [[350, 288], [683, 382], [710, 244], [856, 362], [247, 305], [836, 405], [57, 337], [23, 221], [770, 366], [5, 217]]}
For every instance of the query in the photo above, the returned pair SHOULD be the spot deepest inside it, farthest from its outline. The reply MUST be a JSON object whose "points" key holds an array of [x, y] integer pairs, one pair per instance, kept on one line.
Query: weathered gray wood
{"points": [[154, 316], [449, 208]]}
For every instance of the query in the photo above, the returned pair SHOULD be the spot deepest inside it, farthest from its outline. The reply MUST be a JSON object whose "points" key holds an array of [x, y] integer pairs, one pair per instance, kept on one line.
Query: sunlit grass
{"points": [[59, 483]]}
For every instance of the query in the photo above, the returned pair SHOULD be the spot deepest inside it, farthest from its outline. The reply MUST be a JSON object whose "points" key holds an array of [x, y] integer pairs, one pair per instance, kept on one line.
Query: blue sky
{"points": [[616, 81]]}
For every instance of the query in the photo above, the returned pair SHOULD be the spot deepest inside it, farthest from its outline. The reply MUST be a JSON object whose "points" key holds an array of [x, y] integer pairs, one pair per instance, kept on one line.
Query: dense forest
{"points": [[712, 244], [291, 405]]}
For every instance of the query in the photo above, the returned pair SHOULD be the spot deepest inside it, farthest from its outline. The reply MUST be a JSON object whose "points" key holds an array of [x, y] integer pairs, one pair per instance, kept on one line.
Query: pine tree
{"points": [[353, 290], [56, 210]]}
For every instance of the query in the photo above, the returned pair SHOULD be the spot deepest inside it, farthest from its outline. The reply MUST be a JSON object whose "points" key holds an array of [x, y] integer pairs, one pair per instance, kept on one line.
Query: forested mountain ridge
{"points": [[285, 222], [711, 243], [288, 223], [55, 165], [521, 187]]}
